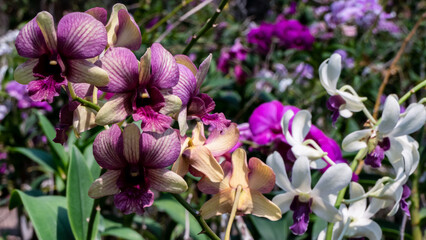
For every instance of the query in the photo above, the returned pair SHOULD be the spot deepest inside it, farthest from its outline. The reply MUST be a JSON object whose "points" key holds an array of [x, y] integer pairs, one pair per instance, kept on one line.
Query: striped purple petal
{"points": [[128, 32], [165, 72], [186, 86], [186, 61], [99, 14], [122, 67], [81, 36], [30, 41], [108, 149], [159, 150], [203, 70]]}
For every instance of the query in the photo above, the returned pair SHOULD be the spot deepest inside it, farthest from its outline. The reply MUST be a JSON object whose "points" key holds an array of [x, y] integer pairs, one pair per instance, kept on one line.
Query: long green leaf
{"points": [[269, 230], [123, 233], [48, 214], [39, 156], [78, 201]]}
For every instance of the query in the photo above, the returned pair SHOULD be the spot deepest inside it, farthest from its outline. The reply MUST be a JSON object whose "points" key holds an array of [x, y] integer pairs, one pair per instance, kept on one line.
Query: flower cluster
{"points": [[289, 34]]}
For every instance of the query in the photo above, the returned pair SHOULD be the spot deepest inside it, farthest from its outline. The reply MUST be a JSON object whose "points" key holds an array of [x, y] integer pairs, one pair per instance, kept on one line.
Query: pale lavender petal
{"points": [[47, 26], [83, 90], [164, 180], [133, 200], [83, 71], [30, 41], [203, 70], [105, 185], [165, 71], [108, 149], [115, 110], [122, 67], [24, 73], [81, 36], [186, 86], [159, 150], [128, 32], [99, 14]]}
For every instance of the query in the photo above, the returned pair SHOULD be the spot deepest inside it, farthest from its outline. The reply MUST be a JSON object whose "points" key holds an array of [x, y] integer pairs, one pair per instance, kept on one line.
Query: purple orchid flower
{"points": [[138, 87], [406, 192], [19, 92], [58, 56], [261, 37], [135, 164], [122, 29], [195, 105]]}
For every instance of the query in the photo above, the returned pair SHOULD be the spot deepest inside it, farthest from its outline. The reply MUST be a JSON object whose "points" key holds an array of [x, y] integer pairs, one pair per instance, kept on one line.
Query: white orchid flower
{"points": [[389, 137], [301, 198], [300, 128], [343, 101], [356, 220]]}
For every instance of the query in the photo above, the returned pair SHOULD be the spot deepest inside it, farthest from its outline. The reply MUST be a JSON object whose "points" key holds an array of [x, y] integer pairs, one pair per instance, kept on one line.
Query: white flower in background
{"points": [[356, 220], [300, 128], [301, 198], [390, 136], [345, 100]]}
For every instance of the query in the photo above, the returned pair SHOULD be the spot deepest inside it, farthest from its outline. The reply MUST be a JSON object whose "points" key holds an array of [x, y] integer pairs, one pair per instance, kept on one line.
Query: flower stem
{"points": [[82, 101], [419, 86], [233, 212], [206, 27], [92, 218], [206, 229], [359, 156], [415, 206]]}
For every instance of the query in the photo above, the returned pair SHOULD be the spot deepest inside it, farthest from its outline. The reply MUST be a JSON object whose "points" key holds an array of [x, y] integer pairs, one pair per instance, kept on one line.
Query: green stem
{"points": [[92, 218], [359, 156], [206, 229], [412, 91], [415, 207], [206, 27], [233, 212], [80, 100], [168, 16]]}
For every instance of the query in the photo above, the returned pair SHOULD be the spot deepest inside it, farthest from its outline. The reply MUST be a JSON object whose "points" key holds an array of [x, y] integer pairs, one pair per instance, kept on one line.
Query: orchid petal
{"points": [[183, 125], [261, 177], [375, 205], [239, 169], [128, 33], [333, 180], [353, 103], [357, 208], [83, 119], [83, 71], [184, 60], [198, 138], [209, 187], [283, 201], [99, 14], [105, 185], [112, 25], [165, 71], [219, 204], [186, 85], [345, 112], [413, 120], [30, 41], [202, 160], [24, 73], [47, 27], [108, 148], [390, 115], [115, 110], [131, 136], [203, 70], [164, 180], [145, 68], [122, 67], [301, 125], [285, 123], [81, 36], [220, 142], [366, 228], [263, 207], [356, 140], [307, 151], [329, 73], [173, 105], [318, 164], [301, 175], [159, 150], [276, 162], [325, 210]]}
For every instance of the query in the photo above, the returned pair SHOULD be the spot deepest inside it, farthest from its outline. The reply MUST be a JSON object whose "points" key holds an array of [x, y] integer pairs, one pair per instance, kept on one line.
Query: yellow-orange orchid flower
{"points": [[242, 187], [198, 153]]}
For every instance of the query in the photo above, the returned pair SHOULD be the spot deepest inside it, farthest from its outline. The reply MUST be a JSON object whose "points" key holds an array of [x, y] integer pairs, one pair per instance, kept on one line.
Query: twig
{"points": [[206, 229], [415, 207], [206, 27], [392, 68]]}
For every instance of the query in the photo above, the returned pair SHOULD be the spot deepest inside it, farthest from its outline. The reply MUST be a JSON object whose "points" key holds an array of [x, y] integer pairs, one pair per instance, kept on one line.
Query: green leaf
{"points": [[50, 133], [39, 156], [122, 233], [48, 214], [94, 167], [78, 201], [168, 204], [270, 230]]}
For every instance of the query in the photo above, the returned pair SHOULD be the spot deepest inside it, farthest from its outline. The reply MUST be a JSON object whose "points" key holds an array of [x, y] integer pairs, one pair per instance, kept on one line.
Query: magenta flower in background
{"points": [[135, 164], [138, 91], [293, 34], [59, 55], [19, 92], [261, 37]]}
